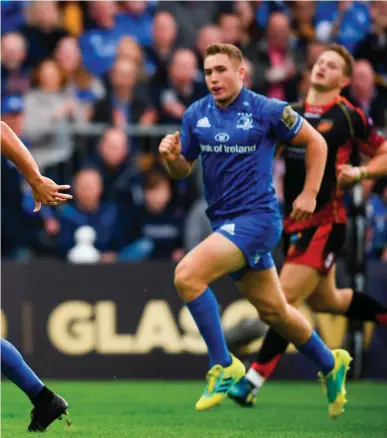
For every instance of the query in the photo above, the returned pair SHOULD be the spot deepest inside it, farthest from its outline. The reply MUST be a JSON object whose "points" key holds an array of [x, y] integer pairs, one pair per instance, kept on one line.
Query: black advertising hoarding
{"points": [[103, 321], [127, 321]]}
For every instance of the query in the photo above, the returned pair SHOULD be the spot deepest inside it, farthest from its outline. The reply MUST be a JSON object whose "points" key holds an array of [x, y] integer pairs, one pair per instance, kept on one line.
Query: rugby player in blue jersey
{"points": [[47, 406], [234, 131]]}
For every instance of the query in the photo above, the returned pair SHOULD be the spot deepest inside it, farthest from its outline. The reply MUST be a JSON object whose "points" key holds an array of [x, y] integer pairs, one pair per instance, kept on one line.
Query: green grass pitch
{"points": [[166, 409]]}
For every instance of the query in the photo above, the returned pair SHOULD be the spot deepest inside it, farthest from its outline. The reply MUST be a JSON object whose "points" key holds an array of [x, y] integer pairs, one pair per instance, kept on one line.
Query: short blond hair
{"points": [[345, 55], [227, 49]]}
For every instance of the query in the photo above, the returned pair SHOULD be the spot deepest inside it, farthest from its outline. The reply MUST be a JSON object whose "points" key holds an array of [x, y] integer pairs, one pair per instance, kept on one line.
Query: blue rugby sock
{"points": [[205, 311], [14, 367], [318, 352]]}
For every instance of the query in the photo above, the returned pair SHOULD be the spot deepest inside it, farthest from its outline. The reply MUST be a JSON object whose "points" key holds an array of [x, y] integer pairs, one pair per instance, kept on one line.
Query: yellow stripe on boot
{"points": [[219, 382], [334, 383]]}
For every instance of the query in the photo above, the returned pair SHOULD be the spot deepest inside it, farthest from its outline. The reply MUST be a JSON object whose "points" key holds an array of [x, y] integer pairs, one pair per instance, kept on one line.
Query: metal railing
{"points": [[81, 139], [95, 129]]}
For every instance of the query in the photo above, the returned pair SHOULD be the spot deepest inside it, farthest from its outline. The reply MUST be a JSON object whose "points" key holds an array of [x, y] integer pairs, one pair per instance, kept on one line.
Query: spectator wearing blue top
{"points": [[12, 15], [374, 45], [377, 218], [266, 8], [127, 101], [136, 21], [15, 72], [43, 31], [121, 178], [12, 108], [326, 11], [99, 43], [349, 24], [89, 209]]}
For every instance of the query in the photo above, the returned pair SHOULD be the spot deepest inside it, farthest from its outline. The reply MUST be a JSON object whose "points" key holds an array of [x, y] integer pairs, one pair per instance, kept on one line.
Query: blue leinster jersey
{"points": [[236, 145]]}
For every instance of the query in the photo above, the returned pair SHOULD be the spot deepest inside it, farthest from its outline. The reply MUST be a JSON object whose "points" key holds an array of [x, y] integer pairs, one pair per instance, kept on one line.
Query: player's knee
{"points": [[182, 277], [186, 282], [273, 316]]}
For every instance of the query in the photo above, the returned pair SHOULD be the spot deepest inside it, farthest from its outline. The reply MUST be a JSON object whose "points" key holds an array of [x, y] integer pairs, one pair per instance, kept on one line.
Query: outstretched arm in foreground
{"points": [[44, 189]]}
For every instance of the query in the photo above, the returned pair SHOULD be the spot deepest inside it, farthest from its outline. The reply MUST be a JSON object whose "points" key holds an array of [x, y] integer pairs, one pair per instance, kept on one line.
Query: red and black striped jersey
{"points": [[344, 127]]}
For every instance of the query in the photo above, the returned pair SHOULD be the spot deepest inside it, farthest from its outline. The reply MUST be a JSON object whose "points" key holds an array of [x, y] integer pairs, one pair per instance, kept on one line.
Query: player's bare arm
{"points": [[376, 168], [170, 150], [44, 189], [13, 149], [315, 160]]}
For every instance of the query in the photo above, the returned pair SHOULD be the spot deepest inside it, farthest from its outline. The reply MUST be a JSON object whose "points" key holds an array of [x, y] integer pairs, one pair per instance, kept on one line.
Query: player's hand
{"points": [[47, 192], [303, 206], [170, 147], [348, 176]]}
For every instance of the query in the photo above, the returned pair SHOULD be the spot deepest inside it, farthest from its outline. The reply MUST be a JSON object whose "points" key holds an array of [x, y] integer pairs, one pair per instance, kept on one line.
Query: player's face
{"points": [[224, 77], [328, 72]]}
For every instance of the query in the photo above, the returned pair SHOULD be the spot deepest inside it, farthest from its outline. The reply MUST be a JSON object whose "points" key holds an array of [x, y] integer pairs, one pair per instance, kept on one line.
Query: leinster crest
{"points": [[245, 121]]}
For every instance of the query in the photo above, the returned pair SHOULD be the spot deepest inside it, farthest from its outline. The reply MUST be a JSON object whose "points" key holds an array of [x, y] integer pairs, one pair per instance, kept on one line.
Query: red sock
{"points": [[266, 369]]}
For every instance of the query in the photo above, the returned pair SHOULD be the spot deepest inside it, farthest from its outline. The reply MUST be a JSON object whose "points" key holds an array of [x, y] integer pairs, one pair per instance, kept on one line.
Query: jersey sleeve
{"points": [[190, 148], [285, 123], [365, 133]]}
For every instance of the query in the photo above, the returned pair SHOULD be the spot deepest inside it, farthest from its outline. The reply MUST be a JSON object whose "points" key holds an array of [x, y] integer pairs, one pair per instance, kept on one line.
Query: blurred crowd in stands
{"points": [[67, 66]]}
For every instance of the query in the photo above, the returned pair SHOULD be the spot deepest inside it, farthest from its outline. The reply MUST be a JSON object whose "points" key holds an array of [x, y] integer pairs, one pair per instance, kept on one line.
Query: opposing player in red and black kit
{"points": [[312, 244]]}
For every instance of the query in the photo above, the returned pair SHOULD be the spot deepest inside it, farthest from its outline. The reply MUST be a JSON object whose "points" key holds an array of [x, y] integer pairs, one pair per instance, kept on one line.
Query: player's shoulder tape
{"points": [[289, 117]]}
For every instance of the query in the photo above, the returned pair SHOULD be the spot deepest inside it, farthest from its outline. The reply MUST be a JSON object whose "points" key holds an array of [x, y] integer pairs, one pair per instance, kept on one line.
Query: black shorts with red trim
{"points": [[316, 247]]}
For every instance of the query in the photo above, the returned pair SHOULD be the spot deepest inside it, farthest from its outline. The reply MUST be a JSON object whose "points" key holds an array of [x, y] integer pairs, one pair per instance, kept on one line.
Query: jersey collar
{"points": [[320, 109]]}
